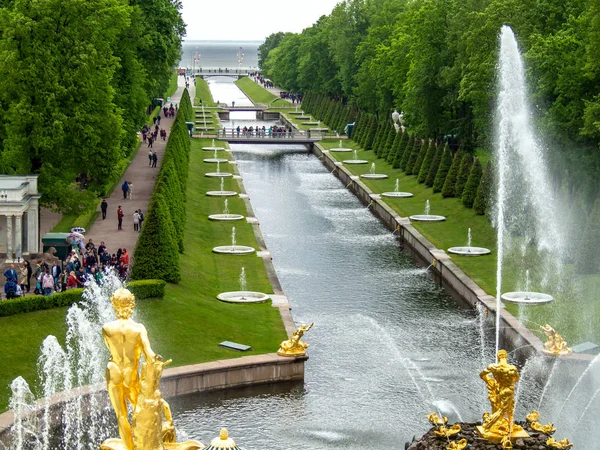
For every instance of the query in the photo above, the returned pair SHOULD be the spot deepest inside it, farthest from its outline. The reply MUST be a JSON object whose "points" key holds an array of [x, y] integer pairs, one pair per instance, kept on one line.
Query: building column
{"points": [[19, 237], [33, 238], [9, 237]]}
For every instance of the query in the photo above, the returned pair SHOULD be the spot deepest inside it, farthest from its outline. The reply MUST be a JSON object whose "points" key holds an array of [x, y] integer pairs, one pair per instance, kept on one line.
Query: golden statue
{"points": [[500, 379], [151, 426], [436, 420], [551, 442], [546, 429], [444, 431], [533, 416], [555, 345], [457, 445], [295, 347]]}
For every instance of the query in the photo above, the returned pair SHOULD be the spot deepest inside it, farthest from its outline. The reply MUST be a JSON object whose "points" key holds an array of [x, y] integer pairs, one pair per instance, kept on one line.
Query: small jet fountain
{"points": [[427, 217], [341, 148], [215, 159], [218, 173], [527, 297], [222, 192], [233, 249], [354, 159], [469, 250], [226, 216], [243, 295], [213, 148], [372, 175], [397, 193]]}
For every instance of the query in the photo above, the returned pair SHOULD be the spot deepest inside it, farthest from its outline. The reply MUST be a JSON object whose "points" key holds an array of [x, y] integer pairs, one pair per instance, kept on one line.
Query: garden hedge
{"points": [[484, 191], [448, 188], [435, 164], [142, 289], [473, 182], [424, 170], [463, 174]]}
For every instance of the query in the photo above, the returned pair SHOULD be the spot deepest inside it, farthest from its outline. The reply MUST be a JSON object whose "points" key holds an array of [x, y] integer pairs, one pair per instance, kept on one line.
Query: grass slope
{"points": [[256, 93], [188, 324]]}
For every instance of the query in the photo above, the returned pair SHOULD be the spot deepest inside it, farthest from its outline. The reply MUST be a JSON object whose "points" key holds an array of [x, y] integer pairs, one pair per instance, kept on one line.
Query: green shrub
{"points": [[450, 181], [398, 148], [39, 302], [588, 261], [416, 168], [377, 141], [473, 182], [156, 254], [414, 143], [370, 137], [435, 165], [463, 174], [484, 190], [424, 170], [143, 289], [389, 142], [445, 164]]}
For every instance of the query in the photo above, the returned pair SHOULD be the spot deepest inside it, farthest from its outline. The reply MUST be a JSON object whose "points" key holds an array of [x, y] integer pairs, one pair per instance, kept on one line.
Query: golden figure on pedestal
{"points": [[437, 420], [500, 379], [151, 426], [444, 431], [457, 445], [555, 345], [563, 444], [295, 347]]}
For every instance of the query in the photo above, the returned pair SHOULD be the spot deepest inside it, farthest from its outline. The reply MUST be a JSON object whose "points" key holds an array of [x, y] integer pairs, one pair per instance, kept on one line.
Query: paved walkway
{"points": [[143, 178], [274, 90]]}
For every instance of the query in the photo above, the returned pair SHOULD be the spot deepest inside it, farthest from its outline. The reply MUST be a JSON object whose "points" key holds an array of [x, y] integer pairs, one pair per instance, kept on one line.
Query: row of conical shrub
{"points": [[453, 175], [161, 239], [332, 112]]}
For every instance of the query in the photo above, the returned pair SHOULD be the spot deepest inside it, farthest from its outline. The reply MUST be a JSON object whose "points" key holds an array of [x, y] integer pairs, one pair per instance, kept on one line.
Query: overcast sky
{"points": [[251, 20]]}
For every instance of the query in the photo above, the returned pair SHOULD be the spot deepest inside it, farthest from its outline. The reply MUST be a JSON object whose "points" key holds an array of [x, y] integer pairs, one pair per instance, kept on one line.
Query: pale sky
{"points": [[251, 20]]}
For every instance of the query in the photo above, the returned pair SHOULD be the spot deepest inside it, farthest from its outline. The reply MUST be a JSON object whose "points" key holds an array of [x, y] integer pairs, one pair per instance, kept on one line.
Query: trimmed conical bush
{"points": [[398, 148], [424, 170], [442, 173], [484, 191], [452, 176], [435, 165], [473, 182], [463, 174], [389, 142], [419, 162]]}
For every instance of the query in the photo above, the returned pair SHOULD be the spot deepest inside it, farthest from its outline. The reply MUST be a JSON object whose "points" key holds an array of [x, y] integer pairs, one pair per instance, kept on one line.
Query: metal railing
{"points": [[233, 133]]}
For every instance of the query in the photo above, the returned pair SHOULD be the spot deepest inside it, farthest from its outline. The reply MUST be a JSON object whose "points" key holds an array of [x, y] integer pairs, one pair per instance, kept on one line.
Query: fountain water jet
{"points": [[218, 173], [222, 192], [215, 159], [226, 216], [427, 217], [233, 249], [469, 250], [243, 295], [213, 147], [396, 193], [372, 175], [341, 148], [355, 159]]}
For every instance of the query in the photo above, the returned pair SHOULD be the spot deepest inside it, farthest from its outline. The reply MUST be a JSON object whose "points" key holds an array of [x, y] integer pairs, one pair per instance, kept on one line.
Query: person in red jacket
{"points": [[72, 281], [124, 259], [120, 215]]}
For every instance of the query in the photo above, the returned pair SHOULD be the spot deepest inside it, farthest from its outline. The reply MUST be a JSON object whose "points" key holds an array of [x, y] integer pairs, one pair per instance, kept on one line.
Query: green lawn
{"points": [[255, 92], [575, 296], [189, 322], [294, 118], [203, 93]]}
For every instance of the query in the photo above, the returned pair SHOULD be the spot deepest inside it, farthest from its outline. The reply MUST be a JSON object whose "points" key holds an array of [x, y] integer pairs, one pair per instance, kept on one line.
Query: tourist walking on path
{"points": [[104, 208], [120, 215], [144, 186], [136, 221], [130, 190], [154, 159], [125, 189], [141, 218], [150, 158]]}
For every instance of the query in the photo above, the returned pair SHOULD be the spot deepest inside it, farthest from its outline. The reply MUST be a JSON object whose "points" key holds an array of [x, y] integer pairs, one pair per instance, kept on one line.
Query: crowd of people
{"points": [[272, 131], [82, 265], [268, 84]]}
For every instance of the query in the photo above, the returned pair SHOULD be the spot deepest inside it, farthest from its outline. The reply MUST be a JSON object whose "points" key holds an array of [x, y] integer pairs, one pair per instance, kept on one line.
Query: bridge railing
{"points": [[259, 133]]}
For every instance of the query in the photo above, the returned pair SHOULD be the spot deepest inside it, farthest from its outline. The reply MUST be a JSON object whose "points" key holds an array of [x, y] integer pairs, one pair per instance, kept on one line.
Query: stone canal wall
{"points": [[514, 336]]}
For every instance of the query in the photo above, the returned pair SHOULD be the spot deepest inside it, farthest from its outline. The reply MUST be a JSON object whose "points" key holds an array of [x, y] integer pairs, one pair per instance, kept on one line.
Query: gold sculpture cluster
{"points": [[548, 429], [555, 345], [151, 425], [294, 347], [441, 430]]}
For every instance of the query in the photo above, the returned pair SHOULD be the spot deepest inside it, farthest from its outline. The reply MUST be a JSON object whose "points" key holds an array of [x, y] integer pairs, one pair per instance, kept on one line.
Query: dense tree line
{"points": [[76, 81], [436, 60]]}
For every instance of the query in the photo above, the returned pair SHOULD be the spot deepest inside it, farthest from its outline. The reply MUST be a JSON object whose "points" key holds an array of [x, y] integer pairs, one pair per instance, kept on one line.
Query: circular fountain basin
{"points": [[212, 149], [216, 160], [355, 161], [221, 193], [340, 149], [243, 297], [374, 176], [469, 251], [218, 174], [397, 194], [527, 298], [427, 218], [225, 217], [233, 250]]}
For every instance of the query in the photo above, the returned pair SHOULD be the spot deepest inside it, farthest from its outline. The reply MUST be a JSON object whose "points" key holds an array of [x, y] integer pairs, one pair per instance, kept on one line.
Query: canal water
{"points": [[388, 346]]}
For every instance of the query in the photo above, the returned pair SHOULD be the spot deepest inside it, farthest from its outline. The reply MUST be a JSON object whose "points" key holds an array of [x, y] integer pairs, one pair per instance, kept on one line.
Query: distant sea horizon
{"points": [[212, 54]]}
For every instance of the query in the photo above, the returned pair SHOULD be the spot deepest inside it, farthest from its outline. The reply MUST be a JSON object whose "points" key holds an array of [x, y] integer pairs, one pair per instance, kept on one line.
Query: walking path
{"points": [[274, 90], [143, 178]]}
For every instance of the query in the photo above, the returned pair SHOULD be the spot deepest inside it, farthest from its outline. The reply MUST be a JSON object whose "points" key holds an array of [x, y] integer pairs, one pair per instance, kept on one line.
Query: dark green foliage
{"points": [[435, 164], [484, 191], [588, 258], [377, 148], [424, 170], [358, 127], [463, 174], [143, 289], [450, 180], [470, 190], [367, 141], [185, 106], [412, 159], [445, 164], [410, 148], [156, 254], [419, 162], [388, 142], [402, 142]]}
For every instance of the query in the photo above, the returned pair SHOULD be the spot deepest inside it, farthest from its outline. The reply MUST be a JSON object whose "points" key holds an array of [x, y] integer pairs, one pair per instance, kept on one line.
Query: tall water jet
{"points": [[243, 295], [524, 200], [372, 175], [427, 217]]}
